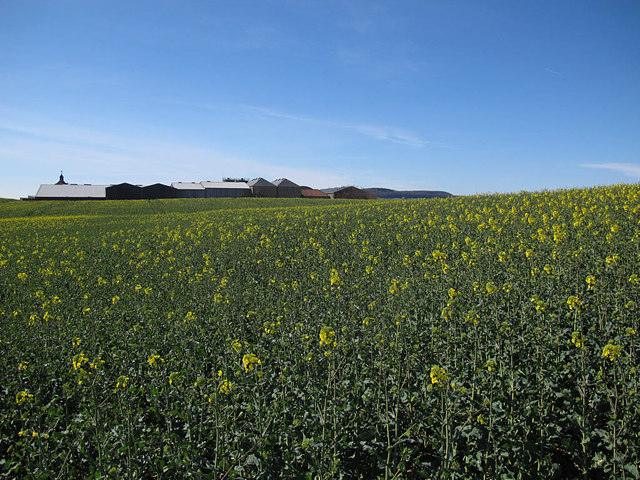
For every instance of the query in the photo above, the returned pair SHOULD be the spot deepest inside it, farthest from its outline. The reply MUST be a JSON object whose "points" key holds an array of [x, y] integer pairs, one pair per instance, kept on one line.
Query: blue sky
{"points": [[466, 96]]}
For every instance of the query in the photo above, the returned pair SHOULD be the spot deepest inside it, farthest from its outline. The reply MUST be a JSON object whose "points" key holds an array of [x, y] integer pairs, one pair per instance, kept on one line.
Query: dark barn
{"points": [[286, 188], [351, 192], [262, 188], [124, 191], [157, 191]]}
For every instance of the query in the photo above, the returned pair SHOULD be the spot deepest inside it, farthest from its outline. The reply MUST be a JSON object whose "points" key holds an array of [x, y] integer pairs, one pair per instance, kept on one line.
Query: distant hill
{"points": [[389, 193]]}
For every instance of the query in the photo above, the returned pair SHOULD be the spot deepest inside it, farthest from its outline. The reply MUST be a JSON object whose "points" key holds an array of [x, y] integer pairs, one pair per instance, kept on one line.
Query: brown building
{"points": [[306, 192], [347, 192], [285, 188], [262, 188]]}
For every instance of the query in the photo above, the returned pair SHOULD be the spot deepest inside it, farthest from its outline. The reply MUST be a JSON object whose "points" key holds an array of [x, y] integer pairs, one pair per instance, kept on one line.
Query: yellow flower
{"points": [[491, 288], [439, 376], [574, 303], [79, 360], [334, 277], [225, 387], [327, 336], [541, 306], [446, 312], [122, 381], [154, 360], [473, 317], [491, 365], [591, 282], [23, 396], [96, 363], [237, 346], [612, 259], [611, 351], [577, 339], [249, 361]]}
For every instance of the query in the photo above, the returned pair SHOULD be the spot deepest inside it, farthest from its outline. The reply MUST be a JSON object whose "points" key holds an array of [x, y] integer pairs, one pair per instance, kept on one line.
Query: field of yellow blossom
{"points": [[489, 336]]}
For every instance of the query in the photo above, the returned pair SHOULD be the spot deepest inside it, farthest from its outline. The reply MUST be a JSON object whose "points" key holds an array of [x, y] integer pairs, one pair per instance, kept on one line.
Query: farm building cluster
{"points": [[227, 188]]}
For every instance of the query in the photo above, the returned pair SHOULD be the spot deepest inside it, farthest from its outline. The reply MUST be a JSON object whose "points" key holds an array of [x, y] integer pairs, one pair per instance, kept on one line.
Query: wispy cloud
{"points": [[378, 132], [629, 169], [555, 72], [35, 150], [390, 134]]}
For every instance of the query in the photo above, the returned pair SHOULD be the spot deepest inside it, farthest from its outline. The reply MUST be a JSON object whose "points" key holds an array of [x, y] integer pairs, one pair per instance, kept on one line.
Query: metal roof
{"points": [[338, 189], [72, 191], [125, 184], [156, 185], [312, 192], [332, 190], [284, 182], [226, 185], [187, 185], [260, 182]]}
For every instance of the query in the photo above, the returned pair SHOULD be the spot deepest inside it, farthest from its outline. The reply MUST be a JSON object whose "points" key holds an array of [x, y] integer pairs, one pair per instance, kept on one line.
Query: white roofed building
{"points": [[71, 192], [189, 189], [212, 189], [226, 189]]}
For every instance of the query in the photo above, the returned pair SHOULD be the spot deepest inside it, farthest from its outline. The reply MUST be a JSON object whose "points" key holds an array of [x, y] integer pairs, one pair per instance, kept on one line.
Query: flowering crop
{"points": [[474, 337]]}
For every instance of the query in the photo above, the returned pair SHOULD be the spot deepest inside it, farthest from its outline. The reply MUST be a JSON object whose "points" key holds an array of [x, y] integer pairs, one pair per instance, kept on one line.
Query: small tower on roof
{"points": [[61, 180]]}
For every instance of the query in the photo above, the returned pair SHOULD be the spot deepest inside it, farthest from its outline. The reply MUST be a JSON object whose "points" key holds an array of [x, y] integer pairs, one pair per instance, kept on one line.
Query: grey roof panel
{"points": [[260, 182], [226, 185], [187, 185], [72, 191], [284, 182]]}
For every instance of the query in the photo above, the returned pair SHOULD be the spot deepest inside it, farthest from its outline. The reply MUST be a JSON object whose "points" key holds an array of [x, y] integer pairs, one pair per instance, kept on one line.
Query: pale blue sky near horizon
{"points": [[466, 96]]}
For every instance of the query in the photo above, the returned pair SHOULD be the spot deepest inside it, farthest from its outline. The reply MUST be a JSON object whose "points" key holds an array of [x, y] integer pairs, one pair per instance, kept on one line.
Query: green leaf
{"points": [[632, 469]]}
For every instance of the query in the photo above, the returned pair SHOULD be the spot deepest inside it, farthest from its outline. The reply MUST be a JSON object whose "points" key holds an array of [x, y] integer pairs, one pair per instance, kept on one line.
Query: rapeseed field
{"points": [[490, 336]]}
